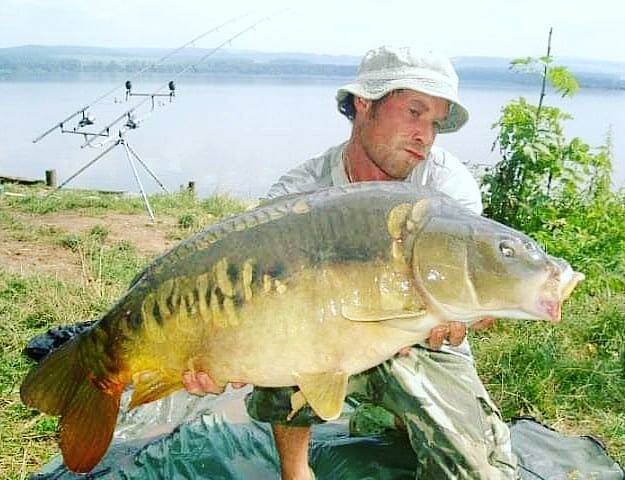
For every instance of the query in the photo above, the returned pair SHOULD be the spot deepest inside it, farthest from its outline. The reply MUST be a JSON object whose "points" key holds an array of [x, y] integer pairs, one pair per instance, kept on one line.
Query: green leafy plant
{"points": [[538, 164]]}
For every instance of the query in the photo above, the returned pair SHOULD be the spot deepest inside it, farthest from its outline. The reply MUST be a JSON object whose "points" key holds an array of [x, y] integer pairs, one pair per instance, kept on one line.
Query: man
{"points": [[398, 103]]}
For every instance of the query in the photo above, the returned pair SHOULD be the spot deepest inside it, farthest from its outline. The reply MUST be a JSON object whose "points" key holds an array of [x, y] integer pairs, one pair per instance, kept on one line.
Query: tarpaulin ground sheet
{"points": [[185, 437]]}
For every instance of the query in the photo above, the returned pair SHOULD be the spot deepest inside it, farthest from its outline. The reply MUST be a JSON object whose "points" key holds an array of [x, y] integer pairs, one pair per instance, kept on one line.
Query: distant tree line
{"points": [[13, 65], [29, 64]]}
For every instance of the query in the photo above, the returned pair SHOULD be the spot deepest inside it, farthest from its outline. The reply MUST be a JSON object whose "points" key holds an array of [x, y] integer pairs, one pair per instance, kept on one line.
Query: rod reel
{"points": [[84, 121]]}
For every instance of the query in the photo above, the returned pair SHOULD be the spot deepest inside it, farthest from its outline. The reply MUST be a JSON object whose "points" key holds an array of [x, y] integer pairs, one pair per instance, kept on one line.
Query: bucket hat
{"points": [[386, 68]]}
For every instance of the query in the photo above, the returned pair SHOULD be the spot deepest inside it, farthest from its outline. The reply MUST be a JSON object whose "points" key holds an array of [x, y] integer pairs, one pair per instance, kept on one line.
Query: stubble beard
{"points": [[391, 159]]}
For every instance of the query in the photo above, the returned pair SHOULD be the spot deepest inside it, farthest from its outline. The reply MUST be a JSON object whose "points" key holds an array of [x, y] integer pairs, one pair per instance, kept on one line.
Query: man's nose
{"points": [[424, 133]]}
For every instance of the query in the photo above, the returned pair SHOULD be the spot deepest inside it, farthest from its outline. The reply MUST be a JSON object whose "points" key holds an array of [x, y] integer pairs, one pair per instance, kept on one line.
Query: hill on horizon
{"points": [[37, 60]]}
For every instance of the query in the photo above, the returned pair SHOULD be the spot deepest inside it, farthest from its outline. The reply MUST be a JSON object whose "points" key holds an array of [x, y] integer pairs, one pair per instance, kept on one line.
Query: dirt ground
{"points": [[30, 257]]}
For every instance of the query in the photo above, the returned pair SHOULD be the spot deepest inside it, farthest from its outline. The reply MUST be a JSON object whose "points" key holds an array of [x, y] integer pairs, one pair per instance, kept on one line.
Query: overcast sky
{"points": [[588, 29]]}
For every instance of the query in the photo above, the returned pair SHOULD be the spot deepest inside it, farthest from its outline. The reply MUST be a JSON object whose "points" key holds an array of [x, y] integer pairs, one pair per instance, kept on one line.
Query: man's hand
{"points": [[199, 383], [454, 332]]}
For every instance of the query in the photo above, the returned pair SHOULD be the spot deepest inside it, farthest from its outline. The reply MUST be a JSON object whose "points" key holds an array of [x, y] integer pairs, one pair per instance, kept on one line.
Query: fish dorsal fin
{"points": [[363, 314], [150, 385], [324, 392]]}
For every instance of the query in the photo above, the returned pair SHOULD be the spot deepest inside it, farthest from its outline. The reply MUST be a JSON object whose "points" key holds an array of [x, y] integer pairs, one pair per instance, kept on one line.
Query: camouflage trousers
{"points": [[454, 427]]}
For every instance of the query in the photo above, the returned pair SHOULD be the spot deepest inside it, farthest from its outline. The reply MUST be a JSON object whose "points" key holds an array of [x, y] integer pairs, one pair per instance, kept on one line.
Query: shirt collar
{"points": [[339, 177]]}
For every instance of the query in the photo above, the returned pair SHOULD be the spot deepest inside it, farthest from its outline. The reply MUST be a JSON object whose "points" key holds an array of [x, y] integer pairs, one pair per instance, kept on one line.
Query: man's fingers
{"points": [[453, 332], [457, 332], [437, 335], [199, 383], [404, 351], [191, 384], [206, 382], [186, 379]]}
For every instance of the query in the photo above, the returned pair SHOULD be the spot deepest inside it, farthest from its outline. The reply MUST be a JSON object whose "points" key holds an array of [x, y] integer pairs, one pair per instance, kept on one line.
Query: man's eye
{"points": [[414, 112]]}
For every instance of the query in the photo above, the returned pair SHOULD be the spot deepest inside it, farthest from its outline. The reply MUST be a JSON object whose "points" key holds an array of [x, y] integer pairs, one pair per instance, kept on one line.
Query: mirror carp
{"points": [[304, 291]]}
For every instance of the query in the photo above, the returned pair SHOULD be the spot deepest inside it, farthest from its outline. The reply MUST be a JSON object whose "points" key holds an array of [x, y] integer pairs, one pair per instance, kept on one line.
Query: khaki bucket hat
{"points": [[386, 68]]}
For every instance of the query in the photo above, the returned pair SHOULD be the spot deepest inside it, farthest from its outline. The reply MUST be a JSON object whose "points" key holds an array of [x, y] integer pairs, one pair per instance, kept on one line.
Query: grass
{"points": [[29, 305], [571, 375], [42, 200]]}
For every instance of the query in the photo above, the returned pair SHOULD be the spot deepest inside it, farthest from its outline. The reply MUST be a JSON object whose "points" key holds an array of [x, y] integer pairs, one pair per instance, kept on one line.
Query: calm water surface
{"points": [[239, 135]]}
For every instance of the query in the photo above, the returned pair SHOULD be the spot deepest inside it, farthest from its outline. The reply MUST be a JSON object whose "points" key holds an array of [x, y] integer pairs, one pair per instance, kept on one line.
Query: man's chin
{"points": [[397, 166], [403, 173], [393, 175]]}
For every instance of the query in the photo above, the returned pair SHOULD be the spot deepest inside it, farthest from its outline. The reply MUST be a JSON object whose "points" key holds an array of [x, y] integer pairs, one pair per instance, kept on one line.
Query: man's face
{"points": [[399, 131]]}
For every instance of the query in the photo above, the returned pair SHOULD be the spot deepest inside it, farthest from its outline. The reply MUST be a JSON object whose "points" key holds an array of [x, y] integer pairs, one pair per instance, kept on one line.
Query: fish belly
{"points": [[279, 336]]}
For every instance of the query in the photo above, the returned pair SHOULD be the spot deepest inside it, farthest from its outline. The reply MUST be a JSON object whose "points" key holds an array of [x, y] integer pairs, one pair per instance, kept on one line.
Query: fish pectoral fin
{"points": [[324, 392], [363, 314], [150, 385]]}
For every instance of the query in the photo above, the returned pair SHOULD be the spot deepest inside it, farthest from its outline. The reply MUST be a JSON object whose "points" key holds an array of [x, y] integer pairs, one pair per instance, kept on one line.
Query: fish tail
{"points": [[60, 385]]}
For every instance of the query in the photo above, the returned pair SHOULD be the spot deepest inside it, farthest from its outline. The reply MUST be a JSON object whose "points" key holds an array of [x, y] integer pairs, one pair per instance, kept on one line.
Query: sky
{"points": [[508, 28]]}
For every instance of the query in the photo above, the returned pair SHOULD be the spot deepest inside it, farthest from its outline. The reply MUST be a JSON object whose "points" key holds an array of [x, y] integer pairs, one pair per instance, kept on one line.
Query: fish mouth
{"points": [[550, 309], [550, 306]]}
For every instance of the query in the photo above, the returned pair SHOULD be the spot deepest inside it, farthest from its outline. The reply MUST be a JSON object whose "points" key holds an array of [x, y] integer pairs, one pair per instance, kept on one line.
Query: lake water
{"points": [[239, 135]]}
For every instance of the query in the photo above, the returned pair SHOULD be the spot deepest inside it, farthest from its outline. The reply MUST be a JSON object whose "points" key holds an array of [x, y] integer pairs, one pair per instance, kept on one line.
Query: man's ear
{"points": [[361, 105]]}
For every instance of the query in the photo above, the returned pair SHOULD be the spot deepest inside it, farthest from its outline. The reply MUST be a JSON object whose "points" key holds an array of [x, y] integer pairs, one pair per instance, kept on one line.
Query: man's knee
{"points": [[454, 427]]}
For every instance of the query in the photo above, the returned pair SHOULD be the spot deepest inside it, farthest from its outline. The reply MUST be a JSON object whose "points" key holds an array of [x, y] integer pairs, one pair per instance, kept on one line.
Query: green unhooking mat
{"points": [[184, 437]]}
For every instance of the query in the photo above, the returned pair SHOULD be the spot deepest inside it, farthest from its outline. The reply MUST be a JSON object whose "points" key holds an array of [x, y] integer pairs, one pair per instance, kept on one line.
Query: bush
{"points": [[558, 191]]}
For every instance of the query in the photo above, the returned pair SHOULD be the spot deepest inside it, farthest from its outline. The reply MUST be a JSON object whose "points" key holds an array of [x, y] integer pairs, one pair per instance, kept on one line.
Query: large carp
{"points": [[305, 291]]}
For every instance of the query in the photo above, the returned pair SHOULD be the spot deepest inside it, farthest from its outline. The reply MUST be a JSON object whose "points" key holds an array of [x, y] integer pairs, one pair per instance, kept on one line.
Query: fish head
{"points": [[468, 267]]}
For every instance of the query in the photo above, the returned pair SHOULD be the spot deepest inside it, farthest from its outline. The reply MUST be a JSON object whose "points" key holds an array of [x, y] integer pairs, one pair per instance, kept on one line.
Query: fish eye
{"points": [[506, 248]]}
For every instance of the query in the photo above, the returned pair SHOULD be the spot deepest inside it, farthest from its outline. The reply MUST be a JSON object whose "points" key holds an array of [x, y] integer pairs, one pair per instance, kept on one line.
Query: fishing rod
{"points": [[128, 114], [132, 122], [86, 120]]}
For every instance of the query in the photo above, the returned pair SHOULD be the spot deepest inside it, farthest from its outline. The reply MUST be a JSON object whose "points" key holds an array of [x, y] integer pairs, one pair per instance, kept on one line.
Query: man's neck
{"points": [[358, 165]]}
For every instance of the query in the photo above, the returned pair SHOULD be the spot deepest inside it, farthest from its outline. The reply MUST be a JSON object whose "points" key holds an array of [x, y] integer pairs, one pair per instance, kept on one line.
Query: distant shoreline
{"points": [[466, 79], [41, 63]]}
